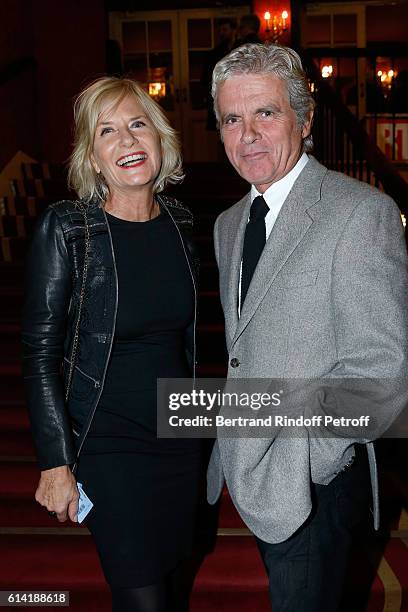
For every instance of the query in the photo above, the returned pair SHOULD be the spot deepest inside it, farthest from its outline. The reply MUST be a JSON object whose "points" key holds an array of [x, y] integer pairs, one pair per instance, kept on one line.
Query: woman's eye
{"points": [[105, 130], [137, 124]]}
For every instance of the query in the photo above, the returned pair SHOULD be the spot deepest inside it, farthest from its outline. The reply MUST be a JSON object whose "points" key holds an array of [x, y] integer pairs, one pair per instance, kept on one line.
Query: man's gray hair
{"points": [[272, 59]]}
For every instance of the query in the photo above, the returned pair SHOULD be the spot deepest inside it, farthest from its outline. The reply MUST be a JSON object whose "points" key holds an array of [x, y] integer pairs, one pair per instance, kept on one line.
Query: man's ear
{"points": [[307, 128]]}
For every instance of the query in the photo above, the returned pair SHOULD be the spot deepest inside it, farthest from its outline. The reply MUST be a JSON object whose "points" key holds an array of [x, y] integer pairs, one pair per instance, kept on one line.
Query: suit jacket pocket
{"points": [[299, 279]]}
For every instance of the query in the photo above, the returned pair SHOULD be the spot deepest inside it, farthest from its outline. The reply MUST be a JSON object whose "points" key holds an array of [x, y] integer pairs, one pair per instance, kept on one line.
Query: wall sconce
{"points": [[157, 90], [327, 71], [157, 83], [386, 77], [275, 25]]}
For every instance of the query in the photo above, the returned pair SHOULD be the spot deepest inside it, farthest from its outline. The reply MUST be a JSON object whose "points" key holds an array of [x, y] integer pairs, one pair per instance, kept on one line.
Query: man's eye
{"points": [[266, 113], [231, 120]]}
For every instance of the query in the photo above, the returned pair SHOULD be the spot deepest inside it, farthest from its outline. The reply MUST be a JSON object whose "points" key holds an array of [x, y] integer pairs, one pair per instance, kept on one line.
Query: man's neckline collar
{"points": [[283, 186]]}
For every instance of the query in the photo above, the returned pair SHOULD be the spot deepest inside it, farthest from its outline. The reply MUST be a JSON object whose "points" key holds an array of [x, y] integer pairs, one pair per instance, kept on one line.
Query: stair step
{"points": [[11, 272], [44, 170], [10, 330], [10, 347], [16, 443], [11, 302], [230, 579], [54, 189], [13, 418], [47, 562], [67, 563], [10, 351], [11, 386], [17, 512], [18, 482], [41, 562], [11, 403]]}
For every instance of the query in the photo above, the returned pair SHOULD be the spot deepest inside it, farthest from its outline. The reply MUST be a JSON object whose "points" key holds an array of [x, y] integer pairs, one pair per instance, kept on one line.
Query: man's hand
{"points": [[57, 491]]}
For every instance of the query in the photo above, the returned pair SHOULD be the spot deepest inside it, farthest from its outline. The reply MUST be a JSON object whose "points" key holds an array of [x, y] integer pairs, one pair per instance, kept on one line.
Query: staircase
{"points": [[40, 554]]}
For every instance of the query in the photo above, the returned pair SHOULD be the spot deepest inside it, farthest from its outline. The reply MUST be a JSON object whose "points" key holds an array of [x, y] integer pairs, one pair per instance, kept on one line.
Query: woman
{"points": [[111, 299]]}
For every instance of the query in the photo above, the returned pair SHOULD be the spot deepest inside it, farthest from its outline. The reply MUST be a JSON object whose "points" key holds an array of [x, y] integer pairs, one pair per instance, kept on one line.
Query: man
{"points": [[249, 27], [313, 283]]}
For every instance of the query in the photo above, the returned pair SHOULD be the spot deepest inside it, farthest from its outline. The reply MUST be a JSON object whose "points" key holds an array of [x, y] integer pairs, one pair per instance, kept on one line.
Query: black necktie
{"points": [[254, 242]]}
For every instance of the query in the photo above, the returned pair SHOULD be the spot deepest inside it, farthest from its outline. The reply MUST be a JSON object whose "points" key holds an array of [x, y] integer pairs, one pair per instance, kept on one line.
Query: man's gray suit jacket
{"points": [[327, 299]]}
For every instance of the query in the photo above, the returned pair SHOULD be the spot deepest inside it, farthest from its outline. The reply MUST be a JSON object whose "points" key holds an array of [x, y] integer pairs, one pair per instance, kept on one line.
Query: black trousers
{"points": [[307, 571]]}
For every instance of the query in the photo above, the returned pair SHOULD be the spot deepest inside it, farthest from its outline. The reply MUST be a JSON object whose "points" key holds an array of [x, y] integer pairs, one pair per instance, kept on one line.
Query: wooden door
{"points": [[150, 54], [198, 35], [339, 25]]}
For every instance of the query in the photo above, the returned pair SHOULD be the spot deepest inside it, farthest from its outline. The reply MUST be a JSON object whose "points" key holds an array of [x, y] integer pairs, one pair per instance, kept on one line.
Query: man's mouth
{"points": [[253, 155], [130, 161]]}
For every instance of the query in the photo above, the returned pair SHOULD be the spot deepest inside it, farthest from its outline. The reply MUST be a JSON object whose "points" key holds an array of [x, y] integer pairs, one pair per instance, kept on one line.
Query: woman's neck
{"points": [[132, 207]]}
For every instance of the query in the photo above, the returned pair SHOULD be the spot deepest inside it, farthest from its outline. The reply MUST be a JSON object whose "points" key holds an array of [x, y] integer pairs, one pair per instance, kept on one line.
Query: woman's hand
{"points": [[57, 491]]}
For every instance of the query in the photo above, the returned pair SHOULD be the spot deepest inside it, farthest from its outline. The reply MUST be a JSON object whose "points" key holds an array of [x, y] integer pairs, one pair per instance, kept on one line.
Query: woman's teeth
{"points": [[130, 159]]}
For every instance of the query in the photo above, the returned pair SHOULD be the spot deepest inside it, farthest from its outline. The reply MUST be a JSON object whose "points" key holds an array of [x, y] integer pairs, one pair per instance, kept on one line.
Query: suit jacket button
{"points": [[234, 363]]}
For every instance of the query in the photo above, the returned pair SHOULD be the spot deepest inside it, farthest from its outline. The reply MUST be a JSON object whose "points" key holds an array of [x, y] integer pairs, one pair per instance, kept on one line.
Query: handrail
{"points": [[17, 68], [341, 142]]}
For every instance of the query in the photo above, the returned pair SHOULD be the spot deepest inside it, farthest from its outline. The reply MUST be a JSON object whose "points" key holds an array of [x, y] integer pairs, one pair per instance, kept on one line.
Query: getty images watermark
{"points": [[255, 401], [252, 408]]}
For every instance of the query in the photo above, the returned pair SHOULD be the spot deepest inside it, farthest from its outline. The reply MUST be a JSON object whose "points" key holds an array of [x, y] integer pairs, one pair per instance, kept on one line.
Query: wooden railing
{"points": [[341, 143], [356, 79]]}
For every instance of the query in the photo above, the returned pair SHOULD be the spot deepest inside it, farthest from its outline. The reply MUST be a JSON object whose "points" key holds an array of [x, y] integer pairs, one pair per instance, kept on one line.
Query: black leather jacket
{"points": [[53, 283]]}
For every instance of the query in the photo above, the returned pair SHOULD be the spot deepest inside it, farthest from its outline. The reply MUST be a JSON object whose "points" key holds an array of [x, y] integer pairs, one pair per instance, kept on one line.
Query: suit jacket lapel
{"points": [[290, 227], [238, 231]]}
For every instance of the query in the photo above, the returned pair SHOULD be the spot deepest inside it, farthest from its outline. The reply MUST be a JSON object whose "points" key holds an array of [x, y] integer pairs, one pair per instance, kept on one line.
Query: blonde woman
{"points": [[110, 306]]}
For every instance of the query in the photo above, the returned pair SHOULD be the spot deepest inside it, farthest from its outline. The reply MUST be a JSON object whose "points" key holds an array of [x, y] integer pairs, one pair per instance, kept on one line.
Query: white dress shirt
{"points": [[274, 197]]}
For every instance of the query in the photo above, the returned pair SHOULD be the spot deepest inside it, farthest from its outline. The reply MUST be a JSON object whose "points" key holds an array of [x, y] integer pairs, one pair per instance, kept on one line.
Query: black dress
{"points": [[144, 489]]}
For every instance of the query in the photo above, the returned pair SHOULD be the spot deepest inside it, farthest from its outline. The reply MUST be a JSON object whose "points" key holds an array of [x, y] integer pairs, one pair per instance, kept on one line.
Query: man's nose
{"points": [[249, 133]]}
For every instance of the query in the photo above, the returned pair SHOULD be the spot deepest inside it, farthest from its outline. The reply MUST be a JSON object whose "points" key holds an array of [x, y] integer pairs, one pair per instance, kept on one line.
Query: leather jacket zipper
{"points": [[101, 384]]}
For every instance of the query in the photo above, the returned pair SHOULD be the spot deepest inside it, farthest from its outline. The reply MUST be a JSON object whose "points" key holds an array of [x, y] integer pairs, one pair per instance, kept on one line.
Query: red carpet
{"points": [[231, 579]]}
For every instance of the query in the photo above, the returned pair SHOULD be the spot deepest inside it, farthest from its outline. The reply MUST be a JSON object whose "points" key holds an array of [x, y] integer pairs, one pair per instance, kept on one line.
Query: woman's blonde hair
{"points": [[82, 177]]}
